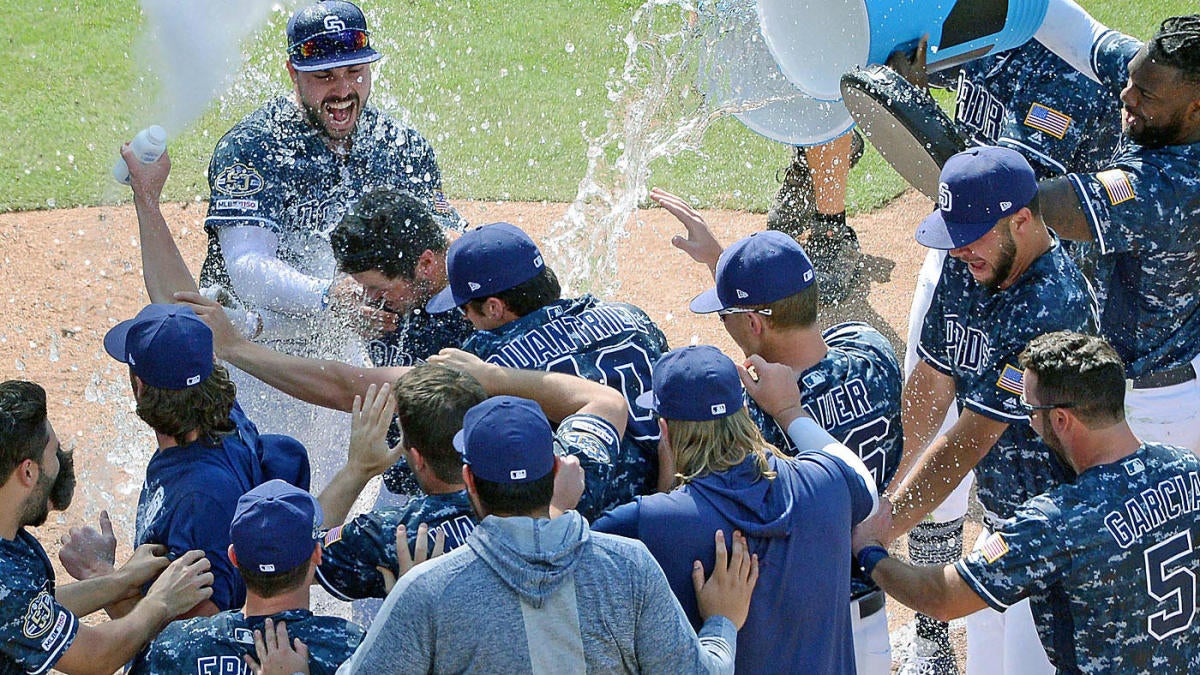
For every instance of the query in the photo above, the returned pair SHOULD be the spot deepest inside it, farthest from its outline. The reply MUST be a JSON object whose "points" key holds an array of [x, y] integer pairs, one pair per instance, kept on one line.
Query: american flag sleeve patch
{"points": [[1117, 184], [994, 548], [1011, 380], [1048, 120]]}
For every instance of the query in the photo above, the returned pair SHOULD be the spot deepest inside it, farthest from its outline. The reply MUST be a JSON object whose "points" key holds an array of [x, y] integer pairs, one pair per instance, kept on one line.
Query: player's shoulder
{"points": [[859, 337]]}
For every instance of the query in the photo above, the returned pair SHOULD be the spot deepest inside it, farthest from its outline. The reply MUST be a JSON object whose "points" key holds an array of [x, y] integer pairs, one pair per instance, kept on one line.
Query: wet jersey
{"points": [[854, 394], [612, 343], [1144, 213], [1030, 100], [353, 551], [975, 335], [1109, 564], [37, 631], [214, 645], [274, 170]]}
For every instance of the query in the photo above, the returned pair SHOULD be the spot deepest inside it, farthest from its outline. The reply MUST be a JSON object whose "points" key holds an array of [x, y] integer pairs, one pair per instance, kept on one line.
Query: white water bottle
{"points": [[149, 144]]}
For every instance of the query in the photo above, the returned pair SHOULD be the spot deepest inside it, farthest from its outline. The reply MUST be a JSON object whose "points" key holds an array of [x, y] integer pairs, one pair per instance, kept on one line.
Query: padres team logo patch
{"points": [[39, 617], [994, 548], [1117, 184], [1048, 120], [1011, 380], [238, 180]]}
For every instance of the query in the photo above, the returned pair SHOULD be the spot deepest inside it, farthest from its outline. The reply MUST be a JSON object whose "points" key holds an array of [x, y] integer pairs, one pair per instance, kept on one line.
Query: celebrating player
{"points": [[1006, 280], [766, 295], [274, 545], [794, 511], [280, 181], [1107, 561], [1142, 211]]}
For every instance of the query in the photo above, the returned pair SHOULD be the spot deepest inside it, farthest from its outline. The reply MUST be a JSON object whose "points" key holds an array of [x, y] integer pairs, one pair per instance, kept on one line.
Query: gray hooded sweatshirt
{"points": [[540, 596]]}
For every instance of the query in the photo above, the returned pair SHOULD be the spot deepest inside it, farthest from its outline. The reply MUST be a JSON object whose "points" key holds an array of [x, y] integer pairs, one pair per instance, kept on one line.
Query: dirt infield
{"points": [[71, 274]]}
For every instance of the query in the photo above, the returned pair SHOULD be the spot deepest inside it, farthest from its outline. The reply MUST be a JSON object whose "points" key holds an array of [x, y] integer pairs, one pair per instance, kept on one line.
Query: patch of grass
{"points": [[504, 90]]}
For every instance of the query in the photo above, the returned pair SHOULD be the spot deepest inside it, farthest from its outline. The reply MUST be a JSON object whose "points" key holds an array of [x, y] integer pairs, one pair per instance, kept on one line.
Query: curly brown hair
{"points": [[204, 408]]}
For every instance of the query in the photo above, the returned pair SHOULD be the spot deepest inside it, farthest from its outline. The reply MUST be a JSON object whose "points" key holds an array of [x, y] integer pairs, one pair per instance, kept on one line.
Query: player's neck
{"points": [[165, 441], [297, 598], [1105, 446], [1028, 251], [799, 348]]}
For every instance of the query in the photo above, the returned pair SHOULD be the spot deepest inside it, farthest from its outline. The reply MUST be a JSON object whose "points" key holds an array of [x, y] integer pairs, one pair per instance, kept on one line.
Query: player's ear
{"points": [[291, 70], [233, 555]]}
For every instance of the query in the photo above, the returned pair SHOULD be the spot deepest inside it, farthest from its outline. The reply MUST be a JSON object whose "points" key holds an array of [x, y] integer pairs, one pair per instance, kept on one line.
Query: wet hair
{"points": [[1176, 43], [515, 499], [1080, 369], [266, 585], [204, 408], [386, 231], [798, 310], [529, 296], [712, 446], [431, 402], [23, 428]]}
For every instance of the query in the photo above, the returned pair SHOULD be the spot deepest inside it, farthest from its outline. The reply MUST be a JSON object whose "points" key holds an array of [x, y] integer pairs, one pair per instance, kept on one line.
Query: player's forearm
{"points": [[339, 496], [90, 595], [927, 398], [927, 590], [163, 268], [322, 382], [106, 647], [560, 395]]}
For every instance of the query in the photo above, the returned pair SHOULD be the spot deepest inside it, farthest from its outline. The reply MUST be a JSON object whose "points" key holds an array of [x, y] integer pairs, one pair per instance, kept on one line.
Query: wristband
{"points": [[869, 557]]}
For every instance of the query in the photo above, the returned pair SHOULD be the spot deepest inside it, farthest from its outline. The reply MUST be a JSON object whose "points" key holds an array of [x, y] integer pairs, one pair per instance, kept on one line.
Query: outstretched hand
{"points": [[700, 243], [277, 655], [405, 560], [912, 67], [147, 180], [727, 591], [370, 418], [225, 335], [86, 552]]}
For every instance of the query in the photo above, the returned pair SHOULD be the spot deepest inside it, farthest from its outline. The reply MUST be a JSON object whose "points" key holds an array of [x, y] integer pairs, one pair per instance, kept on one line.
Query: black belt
{"points": [[1165, 378], [869, 604]]}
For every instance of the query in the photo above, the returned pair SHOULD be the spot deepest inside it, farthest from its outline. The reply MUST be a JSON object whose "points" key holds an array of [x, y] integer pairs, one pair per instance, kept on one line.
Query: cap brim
{"points": [[443, 301], [646, 400], [114, 340], [707, 302], [933, 232], [358, 58], [460, 443]]}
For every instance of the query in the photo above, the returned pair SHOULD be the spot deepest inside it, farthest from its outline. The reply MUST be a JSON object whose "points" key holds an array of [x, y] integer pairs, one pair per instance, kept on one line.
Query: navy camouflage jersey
{"points": [[274, 170], [1109, 564], [1144, 213], [1030, 100], [214, 645], [37, 630], [613, 343], [975, 335], [353, 551], [854, 394]]}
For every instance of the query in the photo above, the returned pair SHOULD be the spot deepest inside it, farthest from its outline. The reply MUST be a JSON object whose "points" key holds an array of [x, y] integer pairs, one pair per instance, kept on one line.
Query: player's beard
{"points": [[1155, 135], [36, 507], [315, 116], [1004, 264], [1052, 441], [63, 489]]}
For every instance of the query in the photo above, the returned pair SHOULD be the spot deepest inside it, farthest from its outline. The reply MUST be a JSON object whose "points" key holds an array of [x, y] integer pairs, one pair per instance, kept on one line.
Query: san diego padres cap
{"points": [[978, 187], [330, 34], [275, 527], [506, 439], [694, 384], [757, 270], [167, 346], [485, 261]]}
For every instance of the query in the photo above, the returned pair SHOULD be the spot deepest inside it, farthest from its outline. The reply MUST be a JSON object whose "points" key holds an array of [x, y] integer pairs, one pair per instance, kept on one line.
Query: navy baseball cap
{"points": [[275, 527], [694, 384], [506, 439], [978, 187], [327, 35], [485, 261], [757, 270], [167, 346]]}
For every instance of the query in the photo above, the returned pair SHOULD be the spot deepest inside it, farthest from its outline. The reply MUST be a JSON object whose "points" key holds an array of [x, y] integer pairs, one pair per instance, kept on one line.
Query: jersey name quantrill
{"points": [[565, 335]]}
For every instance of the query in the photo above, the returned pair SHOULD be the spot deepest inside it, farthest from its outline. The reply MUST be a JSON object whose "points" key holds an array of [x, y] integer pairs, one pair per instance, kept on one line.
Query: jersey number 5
{"points": [[1174, 584]]}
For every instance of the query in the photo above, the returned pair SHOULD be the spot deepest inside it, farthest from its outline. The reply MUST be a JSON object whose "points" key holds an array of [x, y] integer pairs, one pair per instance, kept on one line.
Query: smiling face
{"points": [[990, 258], [1159, 107], [399, 295], [333, 99]]}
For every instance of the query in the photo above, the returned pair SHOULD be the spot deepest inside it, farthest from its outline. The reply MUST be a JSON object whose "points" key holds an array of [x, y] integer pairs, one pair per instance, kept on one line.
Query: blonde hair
{"points": [[717, 445]]}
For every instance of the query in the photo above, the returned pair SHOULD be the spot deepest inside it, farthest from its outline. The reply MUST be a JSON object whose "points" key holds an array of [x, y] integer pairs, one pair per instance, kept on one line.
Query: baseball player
{"points": [[274, 535], [1030, 100], [40, 625], [1006, 280], [766, 295], [1107, 561], [500, 281], [794, 511], [429, 404], [280, 180], [1142, 212]]}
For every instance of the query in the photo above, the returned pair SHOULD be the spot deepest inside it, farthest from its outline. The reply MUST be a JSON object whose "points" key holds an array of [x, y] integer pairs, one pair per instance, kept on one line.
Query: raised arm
{"points": [[699, 243], [163, 268]]}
